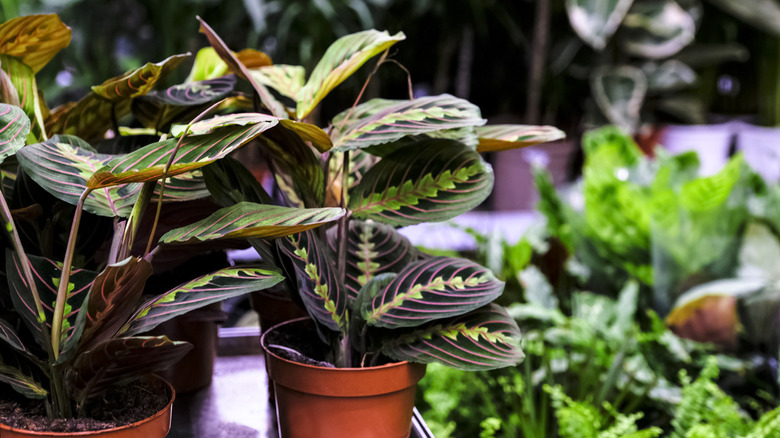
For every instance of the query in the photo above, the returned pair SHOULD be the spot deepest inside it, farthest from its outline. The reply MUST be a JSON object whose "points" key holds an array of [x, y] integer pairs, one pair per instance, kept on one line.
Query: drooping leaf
{"points": [[113, 298], [120, 361], [211, 288], [8, 334], [137, 82], [381, 121], [595, 21], [657, 29], [483, 339], [341, 59], [286, 79], [247, 220], [619, 93], [8, 92], [235, 64], [14, 128], [23, 80], [372, 249], [494, 138], [34, 39], [21, 383], [47, 275], [434, 288], [148, 163], [318, 287], [311, 133], [208, 65], [432, 180]]}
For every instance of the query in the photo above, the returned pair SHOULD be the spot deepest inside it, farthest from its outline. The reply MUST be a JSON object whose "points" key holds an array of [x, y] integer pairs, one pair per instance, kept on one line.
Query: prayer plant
{"points": [[388, 163], [68, 334]]}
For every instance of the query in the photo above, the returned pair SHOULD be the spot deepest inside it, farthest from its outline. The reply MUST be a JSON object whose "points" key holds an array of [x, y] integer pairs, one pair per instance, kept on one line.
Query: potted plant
{"points": [[70, 337], [378, 308]]}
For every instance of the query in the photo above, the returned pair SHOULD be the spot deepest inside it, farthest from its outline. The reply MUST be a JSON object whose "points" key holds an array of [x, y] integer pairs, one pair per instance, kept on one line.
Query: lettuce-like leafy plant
{"points": [[70, 334], [389, 163]]}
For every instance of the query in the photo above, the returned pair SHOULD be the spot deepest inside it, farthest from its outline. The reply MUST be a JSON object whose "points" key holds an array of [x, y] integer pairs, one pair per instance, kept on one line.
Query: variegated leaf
{"points": [[432, 180], [619, 93], [372, 249], [434, 288], [657, 29], [230, 182], [120, 361], [194, 93], [89, 118], [484, 339], [112, 300], [148, 163], [211, 288], [286, 79], [47, 275], [208, 65], [342, 58], [235, 64], [299, 172], [21, 383], [311, 133], [34, 39], [8, 92], [8, 334], [23, 80], [493, 138], [137, 82], [14, 128], [183, 187], [210, 125], [381, 121], [247, 220], [318, 287], [595, 21]]}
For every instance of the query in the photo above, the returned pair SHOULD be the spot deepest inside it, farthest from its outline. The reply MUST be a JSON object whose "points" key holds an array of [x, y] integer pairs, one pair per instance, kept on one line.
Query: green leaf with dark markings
{"points": [[196, 151], [493, 138], [434, 288], [21, 383], [34, 39], [381, 121], [483, 339], [137, 82], [372, 249], [318, 287], [431, 180], [343, 57], [215, 287], [299, 171], [120, 361], [230, 182], [247, 220], [88, 118], [14, 128]]}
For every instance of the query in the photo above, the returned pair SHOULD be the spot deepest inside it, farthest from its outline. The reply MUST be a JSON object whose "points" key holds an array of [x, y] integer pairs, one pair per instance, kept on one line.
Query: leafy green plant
{"points": [[70, 334]]}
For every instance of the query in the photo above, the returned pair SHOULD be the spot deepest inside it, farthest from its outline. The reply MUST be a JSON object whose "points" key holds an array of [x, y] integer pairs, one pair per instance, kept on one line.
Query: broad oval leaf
{"points": [[14, 128], [47, 274], [120, 361], [194, 93], [202, 291], [484, 339], [619, 93], [342, 58], [148, 163], [34, 39], [431, 180], [595, 21], [311, 133], [318, 287], [210, 125], [137, 82], [8, 334], [657, 29], [286, 79], [494, 138], [372, 249], [208, 65], [431, 289], [299, 173], [380, 121], [21, 383], [247, 220]]}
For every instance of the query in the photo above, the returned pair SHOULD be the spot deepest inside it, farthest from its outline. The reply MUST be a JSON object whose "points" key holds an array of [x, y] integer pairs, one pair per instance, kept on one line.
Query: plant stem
{"points": [[62, 290], [62, 407], [131, 228]]}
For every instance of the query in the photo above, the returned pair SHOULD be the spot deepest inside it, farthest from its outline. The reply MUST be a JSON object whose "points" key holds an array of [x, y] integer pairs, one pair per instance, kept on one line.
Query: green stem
{"points": [[62, 405], [62, 290], [133, 222]]}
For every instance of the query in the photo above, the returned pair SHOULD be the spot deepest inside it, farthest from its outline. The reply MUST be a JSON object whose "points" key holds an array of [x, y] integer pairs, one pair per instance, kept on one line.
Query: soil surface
{"points": [[125, 405]]}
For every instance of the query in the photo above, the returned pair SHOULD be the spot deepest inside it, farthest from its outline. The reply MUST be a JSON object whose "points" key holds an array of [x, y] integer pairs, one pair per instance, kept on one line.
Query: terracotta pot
{"points": [[156, 426], [320, 402], [273, 306]]}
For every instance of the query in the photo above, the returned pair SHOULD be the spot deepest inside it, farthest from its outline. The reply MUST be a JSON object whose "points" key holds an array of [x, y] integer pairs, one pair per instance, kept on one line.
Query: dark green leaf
{"points": [[8, 334], [21, 383]]}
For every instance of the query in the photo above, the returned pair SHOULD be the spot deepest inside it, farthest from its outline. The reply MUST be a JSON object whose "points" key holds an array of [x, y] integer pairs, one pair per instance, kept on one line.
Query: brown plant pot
{"points": [[273, 306], [156, 426], [321, 402]]}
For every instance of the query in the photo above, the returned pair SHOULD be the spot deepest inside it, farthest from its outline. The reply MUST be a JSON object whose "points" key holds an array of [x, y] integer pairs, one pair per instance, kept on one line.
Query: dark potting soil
{"points": [[124, 405]]}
